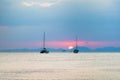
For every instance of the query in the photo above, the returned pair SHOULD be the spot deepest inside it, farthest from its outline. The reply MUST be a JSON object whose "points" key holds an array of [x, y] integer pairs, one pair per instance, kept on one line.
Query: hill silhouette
{"points": [[80, 48]]}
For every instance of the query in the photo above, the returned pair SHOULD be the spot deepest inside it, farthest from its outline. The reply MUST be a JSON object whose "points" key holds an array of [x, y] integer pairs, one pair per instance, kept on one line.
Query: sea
{"points": [[59, 66]]}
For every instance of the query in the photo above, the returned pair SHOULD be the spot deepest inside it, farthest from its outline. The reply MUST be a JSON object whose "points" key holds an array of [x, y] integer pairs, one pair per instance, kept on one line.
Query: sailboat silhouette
{"points": [[44, 50], [76, 50]]}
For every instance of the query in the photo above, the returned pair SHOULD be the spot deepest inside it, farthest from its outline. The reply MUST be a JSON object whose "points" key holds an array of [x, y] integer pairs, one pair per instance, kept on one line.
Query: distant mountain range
{"points": [[104, 49], [81, 49], [31, 50]]}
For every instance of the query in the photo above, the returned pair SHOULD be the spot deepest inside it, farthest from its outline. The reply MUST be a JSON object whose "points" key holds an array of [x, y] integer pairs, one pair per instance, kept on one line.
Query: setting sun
{"points": [[70, 47]]}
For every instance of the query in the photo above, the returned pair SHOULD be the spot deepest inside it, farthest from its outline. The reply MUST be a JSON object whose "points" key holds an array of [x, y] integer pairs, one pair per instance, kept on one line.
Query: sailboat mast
{"points": [[44, 40], [76, 50], [44, 50], [76, 42]]}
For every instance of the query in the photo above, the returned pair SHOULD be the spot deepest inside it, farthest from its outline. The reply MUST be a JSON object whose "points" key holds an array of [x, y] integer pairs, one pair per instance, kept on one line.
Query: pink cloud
{"points": [[95, 44], [57, 44], [90, 44]]}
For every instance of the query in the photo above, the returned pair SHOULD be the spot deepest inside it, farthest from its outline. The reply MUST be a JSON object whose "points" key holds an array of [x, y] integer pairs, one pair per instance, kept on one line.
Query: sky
{"points": [[95, 22]]}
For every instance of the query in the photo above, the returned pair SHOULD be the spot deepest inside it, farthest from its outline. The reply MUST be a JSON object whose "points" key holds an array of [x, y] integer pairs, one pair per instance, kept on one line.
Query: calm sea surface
{"points": [[60, 66]]}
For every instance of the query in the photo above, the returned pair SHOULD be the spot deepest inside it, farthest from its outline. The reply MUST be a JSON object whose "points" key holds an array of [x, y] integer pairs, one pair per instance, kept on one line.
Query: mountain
{"points": [[108, 49], [80, 48], [32, 50]]}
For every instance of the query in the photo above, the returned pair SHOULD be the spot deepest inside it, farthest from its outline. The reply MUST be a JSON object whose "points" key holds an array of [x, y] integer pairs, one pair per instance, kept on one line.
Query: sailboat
{"points": [[44, 50], [76, 50]]}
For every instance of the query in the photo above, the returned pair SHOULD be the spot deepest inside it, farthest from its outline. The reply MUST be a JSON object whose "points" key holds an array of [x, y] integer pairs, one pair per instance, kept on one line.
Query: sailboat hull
{"points": [[76, 51], [44, 51]]}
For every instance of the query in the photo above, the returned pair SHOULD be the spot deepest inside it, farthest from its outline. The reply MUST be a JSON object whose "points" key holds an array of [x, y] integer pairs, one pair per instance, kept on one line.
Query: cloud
{"points": [[41, 4], [90, 44], [28, 4]]}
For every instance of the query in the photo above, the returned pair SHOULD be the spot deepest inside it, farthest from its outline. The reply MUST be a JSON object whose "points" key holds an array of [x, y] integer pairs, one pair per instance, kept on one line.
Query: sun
{"points": [[70, 47]]}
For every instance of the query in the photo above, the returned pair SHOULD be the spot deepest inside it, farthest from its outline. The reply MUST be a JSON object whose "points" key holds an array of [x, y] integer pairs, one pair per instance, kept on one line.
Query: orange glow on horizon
{"points": [[70, 47], [59, 44], [66, 44], [62, 44]]}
